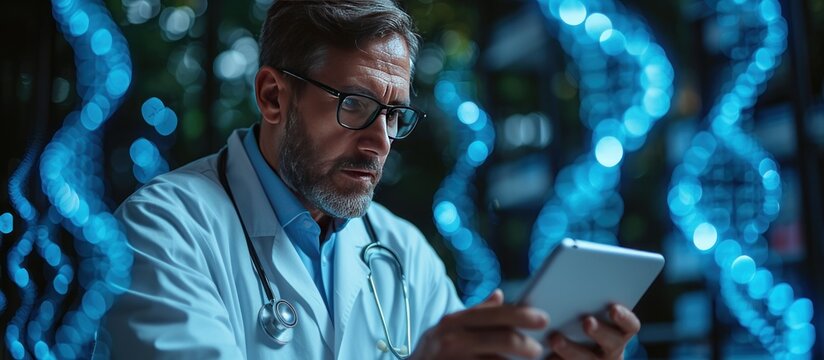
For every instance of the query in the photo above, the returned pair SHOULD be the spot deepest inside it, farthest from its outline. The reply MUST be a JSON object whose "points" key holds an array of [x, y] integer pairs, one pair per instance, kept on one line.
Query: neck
{"points": [[269, 151]]}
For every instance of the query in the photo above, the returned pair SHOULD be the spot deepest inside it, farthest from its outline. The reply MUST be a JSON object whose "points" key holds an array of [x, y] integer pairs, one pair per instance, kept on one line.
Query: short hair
{"points": [[297, 33]]}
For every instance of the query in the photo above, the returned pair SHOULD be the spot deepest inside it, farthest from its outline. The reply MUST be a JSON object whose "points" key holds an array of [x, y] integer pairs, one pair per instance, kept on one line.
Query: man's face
{"points": [[336, 169]]}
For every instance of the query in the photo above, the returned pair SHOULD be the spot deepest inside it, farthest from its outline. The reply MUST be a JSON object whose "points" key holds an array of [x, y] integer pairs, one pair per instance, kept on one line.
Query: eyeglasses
{"points": [[357, 111]]}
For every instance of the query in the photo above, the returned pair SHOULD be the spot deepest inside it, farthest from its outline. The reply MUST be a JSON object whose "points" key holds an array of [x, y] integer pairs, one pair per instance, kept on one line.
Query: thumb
{"points": [[494, 299]]}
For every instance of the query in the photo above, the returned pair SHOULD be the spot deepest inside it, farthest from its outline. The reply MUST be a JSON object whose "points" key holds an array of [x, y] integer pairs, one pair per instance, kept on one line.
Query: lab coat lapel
{"points": [[287, 274], [350, 274], [289, 270]]}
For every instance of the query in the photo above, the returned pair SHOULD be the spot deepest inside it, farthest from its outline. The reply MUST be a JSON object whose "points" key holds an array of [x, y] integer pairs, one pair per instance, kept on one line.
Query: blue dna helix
{"points": [[453, 206], [625, 82], [37, 232], [727, 190], [6, 227], [71, 176]]}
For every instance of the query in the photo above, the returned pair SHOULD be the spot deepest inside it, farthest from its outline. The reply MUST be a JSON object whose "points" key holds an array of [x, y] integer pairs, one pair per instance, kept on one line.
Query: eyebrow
{"points": [[360, 90]]}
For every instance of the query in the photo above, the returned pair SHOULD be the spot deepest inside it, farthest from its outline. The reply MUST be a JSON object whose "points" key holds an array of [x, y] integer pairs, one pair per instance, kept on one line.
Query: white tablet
{"points": [[583, 278]]}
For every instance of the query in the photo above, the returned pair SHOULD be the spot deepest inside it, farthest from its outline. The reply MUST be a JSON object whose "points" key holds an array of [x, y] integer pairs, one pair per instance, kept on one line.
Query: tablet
{"points": [[583, 278]]}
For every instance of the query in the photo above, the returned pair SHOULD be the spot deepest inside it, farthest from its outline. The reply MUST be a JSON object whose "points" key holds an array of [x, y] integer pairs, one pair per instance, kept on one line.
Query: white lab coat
{"points": [[194, 293]]}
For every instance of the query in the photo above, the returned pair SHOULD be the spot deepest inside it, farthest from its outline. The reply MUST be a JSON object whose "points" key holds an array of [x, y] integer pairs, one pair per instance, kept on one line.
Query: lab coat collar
{"points": [[257, 212], [282, 262]]}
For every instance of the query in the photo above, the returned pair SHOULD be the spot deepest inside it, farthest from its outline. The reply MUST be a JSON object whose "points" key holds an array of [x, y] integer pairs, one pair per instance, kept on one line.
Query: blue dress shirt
{"points": [[296, 221]]}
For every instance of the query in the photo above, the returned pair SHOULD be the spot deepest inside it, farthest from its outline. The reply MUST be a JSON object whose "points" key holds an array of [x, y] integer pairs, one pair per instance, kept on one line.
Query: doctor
{"points": [[272, 248]]}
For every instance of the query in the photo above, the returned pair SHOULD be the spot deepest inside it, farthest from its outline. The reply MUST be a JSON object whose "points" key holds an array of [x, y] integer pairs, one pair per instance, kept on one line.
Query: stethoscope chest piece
{"points": [[277, 319]]}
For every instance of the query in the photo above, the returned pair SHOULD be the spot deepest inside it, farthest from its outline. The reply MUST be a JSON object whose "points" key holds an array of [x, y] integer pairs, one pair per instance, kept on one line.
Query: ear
{"points": [[272, 95]]}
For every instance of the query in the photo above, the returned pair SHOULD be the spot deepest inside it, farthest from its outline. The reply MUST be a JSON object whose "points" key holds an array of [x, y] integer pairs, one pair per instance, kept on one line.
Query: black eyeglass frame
{"points": [[420, 115]]}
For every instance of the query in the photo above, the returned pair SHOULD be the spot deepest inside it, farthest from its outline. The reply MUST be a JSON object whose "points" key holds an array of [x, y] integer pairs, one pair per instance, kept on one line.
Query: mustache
{"points": [[367, 163]]}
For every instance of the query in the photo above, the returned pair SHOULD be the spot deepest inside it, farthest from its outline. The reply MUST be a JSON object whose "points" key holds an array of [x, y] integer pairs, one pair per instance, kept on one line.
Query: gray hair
{"points": [[296, 33]]}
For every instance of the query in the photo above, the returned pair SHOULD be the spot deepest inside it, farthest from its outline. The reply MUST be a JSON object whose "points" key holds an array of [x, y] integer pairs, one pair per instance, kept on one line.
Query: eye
{"points": [[354, 104], [392, 117]]}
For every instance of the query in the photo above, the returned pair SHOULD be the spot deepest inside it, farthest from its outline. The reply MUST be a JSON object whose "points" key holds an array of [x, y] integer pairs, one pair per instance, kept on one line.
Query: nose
{"points": [[375, 138]]}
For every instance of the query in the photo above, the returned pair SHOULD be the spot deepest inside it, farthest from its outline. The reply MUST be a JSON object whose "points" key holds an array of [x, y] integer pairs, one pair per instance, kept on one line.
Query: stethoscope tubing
{"points": [[275, 329]]}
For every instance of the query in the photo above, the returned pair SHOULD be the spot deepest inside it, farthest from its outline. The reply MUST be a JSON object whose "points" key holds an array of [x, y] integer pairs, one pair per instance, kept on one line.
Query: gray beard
{"points": [[297, 165]]}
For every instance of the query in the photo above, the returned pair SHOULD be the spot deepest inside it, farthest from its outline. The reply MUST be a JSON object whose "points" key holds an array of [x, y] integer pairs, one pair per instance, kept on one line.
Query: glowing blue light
{"points": [[91, 116], [6, 223], [656, 74], [468, 112], [61, 284], [770, 10], [572, 12], [760, 284], [477, 151], [553, 223], [609, 151], [21, 277], [71, 177], [765, 165], [637, 42], [771, 180], [779, 298], [800, 340], [151, 110], [52, 254], [613, 42], [168, 122], [101, 42], [462, 239], [79, 23], [94, 305], [799, 313], [656, 102], [478, 268], [445, 92], [705, 236], [637, 121], [596, 24], [41, 350], [17, 350], [726, 252], [764, 59], [446, 214], [756, 53], [143, 153], [742, 269], [118, 82]]}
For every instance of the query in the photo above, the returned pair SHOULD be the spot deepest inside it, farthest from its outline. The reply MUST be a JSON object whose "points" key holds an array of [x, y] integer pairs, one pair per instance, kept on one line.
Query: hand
{"points": [[611, 340], [486, 330]]}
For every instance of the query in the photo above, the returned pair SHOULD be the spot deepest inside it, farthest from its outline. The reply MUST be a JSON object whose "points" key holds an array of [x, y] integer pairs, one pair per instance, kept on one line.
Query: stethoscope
{"points": [[278, 317]]}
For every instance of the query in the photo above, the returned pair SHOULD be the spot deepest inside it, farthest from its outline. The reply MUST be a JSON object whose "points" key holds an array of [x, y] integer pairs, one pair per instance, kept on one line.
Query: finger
{"points": [[610, 340], [503, 342], [509, 316], [569, 350], [625, 320], [496, 298]]}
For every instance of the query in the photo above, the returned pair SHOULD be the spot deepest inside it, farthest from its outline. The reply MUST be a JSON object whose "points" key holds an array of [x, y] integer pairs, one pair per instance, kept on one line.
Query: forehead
{"points": [[380, 67]]}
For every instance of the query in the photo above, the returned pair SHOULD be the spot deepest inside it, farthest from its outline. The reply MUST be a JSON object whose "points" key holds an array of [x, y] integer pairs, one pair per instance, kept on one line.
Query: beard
{"points": [[298, 164]]}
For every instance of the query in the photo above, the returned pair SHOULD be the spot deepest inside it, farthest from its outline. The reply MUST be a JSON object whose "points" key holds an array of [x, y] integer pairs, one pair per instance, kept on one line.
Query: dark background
{"points": [[37, 92]]}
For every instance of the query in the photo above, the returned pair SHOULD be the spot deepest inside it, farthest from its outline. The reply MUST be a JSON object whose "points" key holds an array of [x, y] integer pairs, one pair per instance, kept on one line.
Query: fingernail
{"points": [[591, 323], [539, 315]]}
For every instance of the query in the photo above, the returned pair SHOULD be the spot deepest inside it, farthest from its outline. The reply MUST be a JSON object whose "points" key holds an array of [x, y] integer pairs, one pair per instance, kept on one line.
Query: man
{"points": [[333, 92]]}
